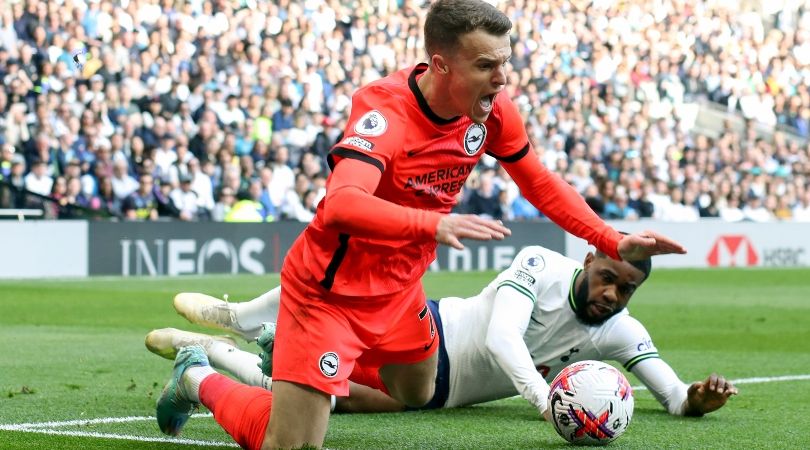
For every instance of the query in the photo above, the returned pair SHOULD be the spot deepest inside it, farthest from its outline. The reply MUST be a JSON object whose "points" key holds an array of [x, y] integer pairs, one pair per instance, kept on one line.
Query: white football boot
{"points": [[208, 311], [166, 342]]}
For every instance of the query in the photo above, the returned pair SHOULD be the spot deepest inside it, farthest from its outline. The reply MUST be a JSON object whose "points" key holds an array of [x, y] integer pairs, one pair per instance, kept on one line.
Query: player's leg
{"points": [[314, 352], [221, 350], [300, 416], [364, 399], [367, 393], [413, 384], [408, 353], [244, 318]]}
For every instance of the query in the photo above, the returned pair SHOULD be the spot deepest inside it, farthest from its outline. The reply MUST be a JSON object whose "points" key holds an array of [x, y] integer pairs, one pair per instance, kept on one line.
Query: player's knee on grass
{"points": [[412, 385], [418, 397]]}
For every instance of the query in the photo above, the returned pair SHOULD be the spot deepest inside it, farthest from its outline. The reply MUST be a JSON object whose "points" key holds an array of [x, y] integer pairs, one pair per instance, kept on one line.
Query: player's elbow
{"points": [[342, 206], [336, 210]]}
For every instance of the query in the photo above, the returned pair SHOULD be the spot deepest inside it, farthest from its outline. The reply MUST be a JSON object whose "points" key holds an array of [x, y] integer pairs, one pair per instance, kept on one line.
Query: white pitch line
{"points": [[83, 422], [126, 437], [755, 380]]}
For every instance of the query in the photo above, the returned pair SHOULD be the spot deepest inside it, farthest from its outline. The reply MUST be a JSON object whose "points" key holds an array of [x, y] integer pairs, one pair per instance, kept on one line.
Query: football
{"points": [[591, 403]]}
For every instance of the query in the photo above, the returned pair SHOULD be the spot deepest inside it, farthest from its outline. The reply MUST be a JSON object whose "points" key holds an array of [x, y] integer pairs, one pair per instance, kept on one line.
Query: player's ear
{"points": [[439, 65], [588, 259]]}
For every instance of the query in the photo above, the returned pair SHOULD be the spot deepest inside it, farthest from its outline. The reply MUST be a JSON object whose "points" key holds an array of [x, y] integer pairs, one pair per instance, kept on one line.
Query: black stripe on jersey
{"points": [[513, 157], [420, 99], [638, 358], [571, 301], [423, 313], [518, 288], [344, 152], [337, 258]]}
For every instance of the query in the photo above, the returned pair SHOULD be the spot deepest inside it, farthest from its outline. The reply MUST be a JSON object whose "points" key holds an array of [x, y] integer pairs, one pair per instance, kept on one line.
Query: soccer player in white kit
{"points": [[541, 314]]}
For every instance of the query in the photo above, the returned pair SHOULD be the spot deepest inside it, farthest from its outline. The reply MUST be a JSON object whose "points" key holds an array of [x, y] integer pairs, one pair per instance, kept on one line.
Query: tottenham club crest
{"points": [[373, 123], [329, 363], [474, 138]]}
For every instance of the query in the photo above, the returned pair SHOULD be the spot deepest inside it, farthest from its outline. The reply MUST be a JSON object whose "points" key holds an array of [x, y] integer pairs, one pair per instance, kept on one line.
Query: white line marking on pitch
{"points": [[754, 380], [51, 427], [84, 422], [126, 437]]}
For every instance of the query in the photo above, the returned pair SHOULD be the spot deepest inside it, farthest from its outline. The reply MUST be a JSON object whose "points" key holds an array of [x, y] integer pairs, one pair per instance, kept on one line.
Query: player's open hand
{"points": [[454, 227], [709, 395], [638, 246]]}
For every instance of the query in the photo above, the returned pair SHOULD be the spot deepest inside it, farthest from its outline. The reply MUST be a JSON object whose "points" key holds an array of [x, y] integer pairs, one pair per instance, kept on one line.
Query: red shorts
{"points": [[320, 336]]}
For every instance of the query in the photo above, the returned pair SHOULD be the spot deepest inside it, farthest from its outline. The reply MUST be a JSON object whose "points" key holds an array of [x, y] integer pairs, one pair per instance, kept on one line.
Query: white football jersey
{"points": [[554, 337]]}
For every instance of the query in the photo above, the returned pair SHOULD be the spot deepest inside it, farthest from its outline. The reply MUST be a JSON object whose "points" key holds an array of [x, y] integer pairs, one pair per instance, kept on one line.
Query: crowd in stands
{"points": [[226, 110]]}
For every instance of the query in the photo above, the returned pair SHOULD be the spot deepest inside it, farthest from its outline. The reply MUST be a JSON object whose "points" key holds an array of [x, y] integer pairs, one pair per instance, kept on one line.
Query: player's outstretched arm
{"points": [[638, 246], [509, 320], [351, 207], [708, 395]]}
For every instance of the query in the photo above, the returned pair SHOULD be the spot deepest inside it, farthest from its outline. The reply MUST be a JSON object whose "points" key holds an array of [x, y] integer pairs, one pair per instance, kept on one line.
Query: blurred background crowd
{"points": [[225, 110]]}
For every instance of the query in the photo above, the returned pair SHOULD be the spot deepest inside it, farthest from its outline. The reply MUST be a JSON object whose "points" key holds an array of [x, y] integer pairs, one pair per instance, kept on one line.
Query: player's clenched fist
{"points": [[454, 227]]}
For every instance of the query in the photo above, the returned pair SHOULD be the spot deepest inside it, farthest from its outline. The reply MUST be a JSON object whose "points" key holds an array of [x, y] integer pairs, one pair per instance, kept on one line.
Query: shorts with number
{"points": [[320, 336]]}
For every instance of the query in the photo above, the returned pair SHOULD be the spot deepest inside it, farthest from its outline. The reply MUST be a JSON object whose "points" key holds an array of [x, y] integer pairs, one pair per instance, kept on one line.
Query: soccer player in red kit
{"points": [[352, 301]]}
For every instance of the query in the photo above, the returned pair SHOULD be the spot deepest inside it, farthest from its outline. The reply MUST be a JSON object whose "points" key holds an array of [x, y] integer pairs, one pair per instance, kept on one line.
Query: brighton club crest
{"points": [[474, 138]]}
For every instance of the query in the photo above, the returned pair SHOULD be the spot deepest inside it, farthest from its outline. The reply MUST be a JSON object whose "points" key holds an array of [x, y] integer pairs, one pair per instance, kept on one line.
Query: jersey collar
{"points": [[420, 99], [571, 301]]}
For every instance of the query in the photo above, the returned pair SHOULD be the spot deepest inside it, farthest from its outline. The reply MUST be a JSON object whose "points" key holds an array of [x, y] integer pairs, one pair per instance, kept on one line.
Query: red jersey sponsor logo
{"points": [[443, 181]]}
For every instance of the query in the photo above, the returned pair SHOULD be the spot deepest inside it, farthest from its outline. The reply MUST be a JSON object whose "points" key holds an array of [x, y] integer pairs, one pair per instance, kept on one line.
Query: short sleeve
{"points": [[375, 131], [524, 275]]}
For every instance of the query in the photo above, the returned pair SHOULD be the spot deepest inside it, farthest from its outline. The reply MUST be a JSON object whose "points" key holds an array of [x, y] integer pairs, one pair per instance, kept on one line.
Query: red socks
{"points": [[243, 411], [368, 376]]}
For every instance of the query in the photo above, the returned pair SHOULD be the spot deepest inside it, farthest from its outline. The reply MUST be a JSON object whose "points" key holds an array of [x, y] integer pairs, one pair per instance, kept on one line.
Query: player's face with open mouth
{"points": [[478, 73]]}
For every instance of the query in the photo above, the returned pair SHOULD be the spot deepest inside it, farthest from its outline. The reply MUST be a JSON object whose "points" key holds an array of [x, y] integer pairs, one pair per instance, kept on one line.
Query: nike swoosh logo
{"points": [[427, 347]]}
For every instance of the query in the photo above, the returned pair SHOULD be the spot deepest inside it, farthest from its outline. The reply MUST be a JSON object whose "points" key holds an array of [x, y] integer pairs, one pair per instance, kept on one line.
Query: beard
{"points": [[581, 302]]}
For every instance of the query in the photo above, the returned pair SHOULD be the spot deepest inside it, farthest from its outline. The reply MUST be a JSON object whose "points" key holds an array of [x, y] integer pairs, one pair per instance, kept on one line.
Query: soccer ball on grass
{"points": [[591, 403]]}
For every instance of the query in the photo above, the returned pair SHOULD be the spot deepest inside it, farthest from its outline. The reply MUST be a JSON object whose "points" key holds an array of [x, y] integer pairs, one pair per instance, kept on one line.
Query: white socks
{"points": [[243, 365], [191, 380], [249, 316]]}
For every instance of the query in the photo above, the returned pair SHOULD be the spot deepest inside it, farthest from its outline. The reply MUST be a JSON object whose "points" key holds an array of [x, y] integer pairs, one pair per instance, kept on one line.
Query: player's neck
{"points": [[435, 94]]}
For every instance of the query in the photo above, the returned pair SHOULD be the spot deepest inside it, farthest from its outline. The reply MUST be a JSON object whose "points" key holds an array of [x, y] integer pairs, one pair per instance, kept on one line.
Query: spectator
{"points": [[283, 176], [284, 118], [106, 199], [755, 211], [185, 199], [618, 207], [484, 201], [224, 204], [141, 204], [122, 182], [38, 180]]}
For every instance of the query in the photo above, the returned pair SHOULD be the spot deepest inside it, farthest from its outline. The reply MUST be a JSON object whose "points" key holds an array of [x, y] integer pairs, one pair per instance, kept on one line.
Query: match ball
{"points": [[591, 403]]}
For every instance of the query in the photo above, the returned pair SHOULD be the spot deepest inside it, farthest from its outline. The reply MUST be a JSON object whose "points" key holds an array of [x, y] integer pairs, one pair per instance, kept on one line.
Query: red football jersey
{"points": [[425, 161]]}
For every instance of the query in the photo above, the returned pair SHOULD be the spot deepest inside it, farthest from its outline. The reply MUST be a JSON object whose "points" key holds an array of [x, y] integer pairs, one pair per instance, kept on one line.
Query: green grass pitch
{"points": [[73, 350]]}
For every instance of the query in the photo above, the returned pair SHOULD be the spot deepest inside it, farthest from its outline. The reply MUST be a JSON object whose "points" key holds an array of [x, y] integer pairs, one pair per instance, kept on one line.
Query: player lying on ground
{"points": [[541, 314]]}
